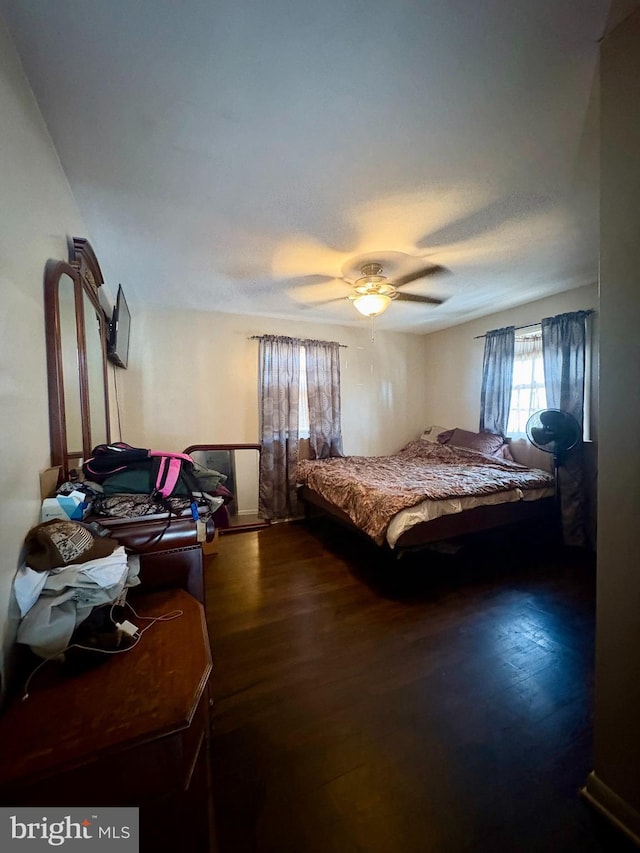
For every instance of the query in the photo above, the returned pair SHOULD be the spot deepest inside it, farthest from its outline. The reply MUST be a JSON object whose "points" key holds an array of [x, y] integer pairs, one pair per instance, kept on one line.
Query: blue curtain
{"points": [[563, 354], [279, 377], [497, 379], [323, 392]]}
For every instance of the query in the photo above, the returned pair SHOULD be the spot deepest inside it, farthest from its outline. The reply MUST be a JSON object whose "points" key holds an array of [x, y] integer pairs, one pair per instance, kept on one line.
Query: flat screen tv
{"points": [[118, 349]]}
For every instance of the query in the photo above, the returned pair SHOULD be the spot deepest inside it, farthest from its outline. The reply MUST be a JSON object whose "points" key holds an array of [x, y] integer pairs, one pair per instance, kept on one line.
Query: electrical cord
{"points": [[165, 617], [115, 386]]}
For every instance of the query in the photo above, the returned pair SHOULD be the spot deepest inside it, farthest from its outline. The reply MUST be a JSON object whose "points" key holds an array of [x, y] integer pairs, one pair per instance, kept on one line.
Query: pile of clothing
{"points": [[129, 494], [69, 570], [129, 488]]}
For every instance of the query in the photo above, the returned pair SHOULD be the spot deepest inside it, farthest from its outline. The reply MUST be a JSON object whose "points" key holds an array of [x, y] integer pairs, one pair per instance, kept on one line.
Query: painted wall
{"points": [[453, 366], [193, 378], [616, 785], [36, 215]]}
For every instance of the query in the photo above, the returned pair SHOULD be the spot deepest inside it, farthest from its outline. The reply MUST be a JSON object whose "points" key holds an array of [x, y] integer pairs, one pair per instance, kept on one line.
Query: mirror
{"points": [[70, 365], [94, 335], [75, 328], [240, 463]]}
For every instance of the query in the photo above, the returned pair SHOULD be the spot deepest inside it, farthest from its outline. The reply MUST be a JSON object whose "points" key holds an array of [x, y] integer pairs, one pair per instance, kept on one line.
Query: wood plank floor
{"points": [[439, 703]]}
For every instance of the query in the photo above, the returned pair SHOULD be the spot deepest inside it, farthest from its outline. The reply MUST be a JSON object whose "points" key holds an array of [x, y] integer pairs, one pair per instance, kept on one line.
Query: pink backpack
{"points": [[166, 469]]}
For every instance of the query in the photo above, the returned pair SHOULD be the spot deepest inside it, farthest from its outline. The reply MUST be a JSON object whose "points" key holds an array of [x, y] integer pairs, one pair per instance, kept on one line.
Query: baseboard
{"points": [[613, 807]]}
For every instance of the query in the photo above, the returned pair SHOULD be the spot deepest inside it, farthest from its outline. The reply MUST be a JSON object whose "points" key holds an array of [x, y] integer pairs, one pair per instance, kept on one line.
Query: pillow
{"points": [[483, 442], [505, 452], [445, 437], [524, 453]]}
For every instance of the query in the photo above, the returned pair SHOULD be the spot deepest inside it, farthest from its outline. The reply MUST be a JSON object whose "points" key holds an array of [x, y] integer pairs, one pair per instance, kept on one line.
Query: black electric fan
{"points": [[556, 432]]}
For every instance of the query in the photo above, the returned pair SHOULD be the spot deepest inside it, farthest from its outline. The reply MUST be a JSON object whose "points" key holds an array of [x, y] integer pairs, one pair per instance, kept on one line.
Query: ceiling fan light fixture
{"points": [[364, 286], [372, 304], [371, 281]]}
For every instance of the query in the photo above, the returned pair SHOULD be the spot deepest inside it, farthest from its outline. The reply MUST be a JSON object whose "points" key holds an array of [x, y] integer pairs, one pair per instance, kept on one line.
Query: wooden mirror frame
{"points": [[237, 525], [84, 270]]}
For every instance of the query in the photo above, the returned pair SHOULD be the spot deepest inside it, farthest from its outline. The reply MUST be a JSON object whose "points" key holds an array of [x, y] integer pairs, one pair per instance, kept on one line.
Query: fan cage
{"points": [[553, 431]]}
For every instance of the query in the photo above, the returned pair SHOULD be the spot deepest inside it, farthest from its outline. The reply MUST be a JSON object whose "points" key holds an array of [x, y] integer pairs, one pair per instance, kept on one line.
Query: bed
{"points": [[429, 491]]}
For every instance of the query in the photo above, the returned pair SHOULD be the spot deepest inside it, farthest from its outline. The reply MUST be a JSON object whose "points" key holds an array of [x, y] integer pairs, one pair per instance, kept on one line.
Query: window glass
{"points": [[528, 391], [303, 400]]}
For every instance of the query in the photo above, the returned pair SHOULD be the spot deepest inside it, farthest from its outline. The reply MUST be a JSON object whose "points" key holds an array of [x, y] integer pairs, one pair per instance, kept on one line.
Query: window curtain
{"points": [[323, 394], [563, 353], [497, 379], [279, 378]]}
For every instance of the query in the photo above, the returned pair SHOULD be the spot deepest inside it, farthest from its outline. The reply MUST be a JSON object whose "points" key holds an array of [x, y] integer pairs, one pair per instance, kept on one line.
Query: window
{"points": [[527, 391], [303, 399]]}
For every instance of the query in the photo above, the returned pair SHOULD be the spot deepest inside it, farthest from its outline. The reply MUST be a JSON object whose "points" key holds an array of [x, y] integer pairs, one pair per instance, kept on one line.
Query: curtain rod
{"points": [[302, 340], [531, 325]]}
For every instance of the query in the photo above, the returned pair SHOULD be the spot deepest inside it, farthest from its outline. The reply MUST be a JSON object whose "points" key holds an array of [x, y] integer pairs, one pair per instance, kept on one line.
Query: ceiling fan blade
{"points": [[487, 219], [414, 297], [321, 302], [423, 272], [320, 293]]}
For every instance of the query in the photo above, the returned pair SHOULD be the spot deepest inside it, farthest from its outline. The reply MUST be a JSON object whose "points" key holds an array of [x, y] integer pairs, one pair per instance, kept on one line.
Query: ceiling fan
{"points": [[374, 292]]}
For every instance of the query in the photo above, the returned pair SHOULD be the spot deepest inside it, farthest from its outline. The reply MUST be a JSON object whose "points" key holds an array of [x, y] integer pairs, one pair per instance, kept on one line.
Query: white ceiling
{"points": [[225, 154]]}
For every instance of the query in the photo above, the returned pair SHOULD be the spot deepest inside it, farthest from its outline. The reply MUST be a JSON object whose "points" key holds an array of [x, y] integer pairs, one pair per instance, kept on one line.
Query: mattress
{"points": [[429, 510]]}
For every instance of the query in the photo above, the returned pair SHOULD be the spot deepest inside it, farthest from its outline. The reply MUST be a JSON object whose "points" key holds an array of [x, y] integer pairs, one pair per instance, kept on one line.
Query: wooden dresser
{"points": [[170, 553], [133, 730]]}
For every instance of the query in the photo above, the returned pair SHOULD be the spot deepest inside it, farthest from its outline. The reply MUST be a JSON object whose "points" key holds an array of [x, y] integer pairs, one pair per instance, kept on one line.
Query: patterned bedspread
{"points": [[372, 489]]}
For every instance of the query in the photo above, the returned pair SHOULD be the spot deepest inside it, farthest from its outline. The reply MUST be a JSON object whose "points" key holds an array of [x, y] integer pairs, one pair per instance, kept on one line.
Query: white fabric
{"points": [[103, 572], [67, 596], [524, 453], [431, 433], [28, 585], [428, 510]]}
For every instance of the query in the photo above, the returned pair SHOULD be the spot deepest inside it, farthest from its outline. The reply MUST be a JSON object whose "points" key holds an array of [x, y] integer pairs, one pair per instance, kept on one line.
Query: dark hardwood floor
{"points": [[439, 703]]}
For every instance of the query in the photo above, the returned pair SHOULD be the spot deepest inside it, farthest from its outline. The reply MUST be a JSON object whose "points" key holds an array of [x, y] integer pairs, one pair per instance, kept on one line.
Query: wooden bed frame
{"points": [[447, 526]]}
